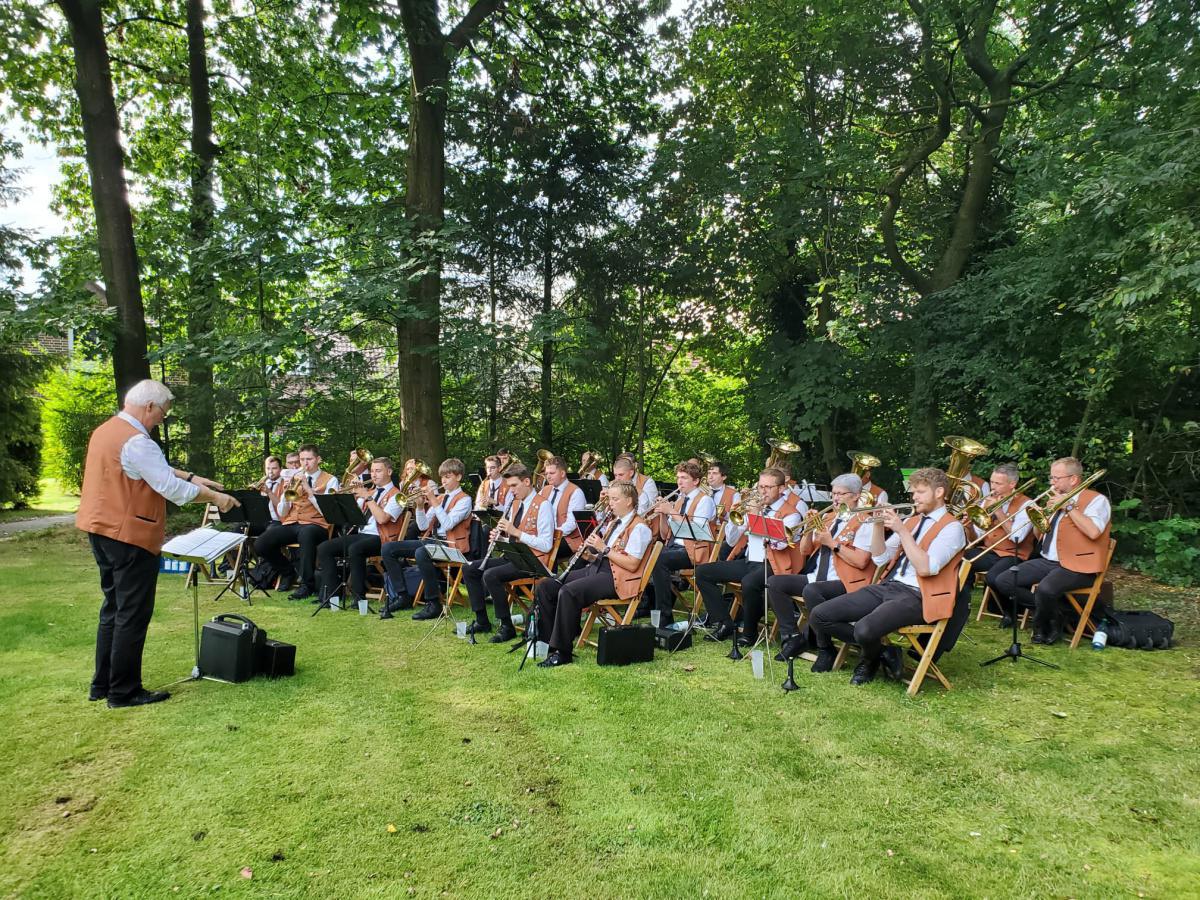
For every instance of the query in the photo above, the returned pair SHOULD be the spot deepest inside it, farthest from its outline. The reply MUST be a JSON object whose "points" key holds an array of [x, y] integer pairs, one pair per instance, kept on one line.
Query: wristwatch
{"points": [[191, 475]]}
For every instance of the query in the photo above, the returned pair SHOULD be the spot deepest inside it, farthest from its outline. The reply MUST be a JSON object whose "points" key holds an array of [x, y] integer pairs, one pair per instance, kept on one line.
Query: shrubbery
{"points": [[1164, 549], [76, 402], [21, 441]]}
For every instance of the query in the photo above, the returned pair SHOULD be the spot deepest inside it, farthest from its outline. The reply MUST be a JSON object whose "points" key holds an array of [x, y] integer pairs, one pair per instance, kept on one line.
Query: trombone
{"points": [[981, 513]]}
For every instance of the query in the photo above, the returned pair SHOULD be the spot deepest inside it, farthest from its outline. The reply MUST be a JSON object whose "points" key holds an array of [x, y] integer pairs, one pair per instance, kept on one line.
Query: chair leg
{"points": [[1085, 614], [840, 659], [587, 628], [926, 664]]}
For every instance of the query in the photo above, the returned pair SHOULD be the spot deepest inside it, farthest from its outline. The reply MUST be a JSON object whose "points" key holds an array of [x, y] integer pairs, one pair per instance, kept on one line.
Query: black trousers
{"points": [[993, 566], [270, 544], [1052, 580], [671, 559], [490, 582], [355, 548], [560, 604], [710, 577], [396, 554], [867, 616], [780, 591], [128, 579]]}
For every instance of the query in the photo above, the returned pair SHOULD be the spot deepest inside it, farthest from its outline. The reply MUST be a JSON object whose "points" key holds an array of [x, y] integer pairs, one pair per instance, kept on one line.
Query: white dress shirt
{"points": [[143, 460], [330, 486], [754, 543], [544, 539], [862, 541], [949, 541], [576, 503], [1099, 511], [391, 508], [639, 538], [705, 512], [1020, 522], [647, 497], [456, 508], [270, 486]]}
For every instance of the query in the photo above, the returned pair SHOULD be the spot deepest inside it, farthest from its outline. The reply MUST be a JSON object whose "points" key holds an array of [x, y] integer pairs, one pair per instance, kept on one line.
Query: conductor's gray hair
{"points": [[147, 392]]}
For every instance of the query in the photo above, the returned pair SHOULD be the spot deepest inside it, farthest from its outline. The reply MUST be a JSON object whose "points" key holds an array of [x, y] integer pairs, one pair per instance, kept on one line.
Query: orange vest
{"points": [[529, 526], [390, 531], [852, 577], [938, 592], [574, 539], [113, 504], [875, 489], [697, 551], [788, 561], [626, 582], [1075, 552], [723, 500], [460, 535], [1006, 547], [303, 511], [484, 492]]}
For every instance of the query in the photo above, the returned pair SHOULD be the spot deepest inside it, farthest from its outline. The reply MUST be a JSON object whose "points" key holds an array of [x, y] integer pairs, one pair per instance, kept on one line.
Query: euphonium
{"points": [[738, 512], [407, 491], [361, 456], [861, 464], [539, 470]]}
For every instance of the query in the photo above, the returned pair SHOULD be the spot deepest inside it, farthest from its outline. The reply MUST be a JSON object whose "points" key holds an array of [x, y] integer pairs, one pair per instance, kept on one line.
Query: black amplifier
{"points": [[671, 640], [276, 659], [228, 647], [620, 645]]}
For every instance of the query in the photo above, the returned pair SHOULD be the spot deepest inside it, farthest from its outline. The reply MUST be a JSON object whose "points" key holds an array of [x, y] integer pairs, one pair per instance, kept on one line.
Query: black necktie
{"points": [[378, 494], [492, 492], [1045, 547], [520, 514], [553, 496], [310, 482], [903, 566], [826, 553]]}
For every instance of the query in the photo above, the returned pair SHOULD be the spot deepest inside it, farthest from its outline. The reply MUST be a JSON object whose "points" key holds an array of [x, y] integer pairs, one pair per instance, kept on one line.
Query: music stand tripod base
{"points": [[1014, 651]]}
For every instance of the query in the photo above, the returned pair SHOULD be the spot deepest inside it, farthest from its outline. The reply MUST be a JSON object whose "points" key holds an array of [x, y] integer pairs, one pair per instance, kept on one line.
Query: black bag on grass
{"points": [[1139, 630]]}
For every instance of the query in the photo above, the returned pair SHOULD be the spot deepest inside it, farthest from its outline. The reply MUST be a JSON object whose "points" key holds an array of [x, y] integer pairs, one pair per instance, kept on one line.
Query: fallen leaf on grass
{"points": [[391, 829], [1057, 714], [689, 668], [246, 872], [891, 853], [495, 834]]}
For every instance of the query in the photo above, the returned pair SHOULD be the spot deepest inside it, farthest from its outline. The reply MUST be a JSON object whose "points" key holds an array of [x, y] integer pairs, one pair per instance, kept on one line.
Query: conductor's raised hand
{"points": [[225, 502]]}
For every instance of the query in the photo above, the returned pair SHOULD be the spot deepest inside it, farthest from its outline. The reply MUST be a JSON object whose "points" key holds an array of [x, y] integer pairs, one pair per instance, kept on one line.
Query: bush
{"points": [[1164, 549], [76, 402], [21, 442]]}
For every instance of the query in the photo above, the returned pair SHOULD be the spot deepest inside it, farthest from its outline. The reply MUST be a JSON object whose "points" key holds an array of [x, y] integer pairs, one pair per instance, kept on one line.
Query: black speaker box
{"points": [[228, 647], [276, 659], [621, 645], [671, 640]]}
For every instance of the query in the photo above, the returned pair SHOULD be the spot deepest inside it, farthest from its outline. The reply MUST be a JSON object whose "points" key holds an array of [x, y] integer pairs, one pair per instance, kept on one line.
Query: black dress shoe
{"points": [[301, 593], [386, 613], [479, 628], [1053, 634], [1006, 622], [864, 672], [504, 633], [744, 640], [893, 663], [1039, 637], [97, 694], [402, 603], [793, 646], [286, 583], [431, 610], [723, 632], [139, 699], [826, 656], [554, 660]]}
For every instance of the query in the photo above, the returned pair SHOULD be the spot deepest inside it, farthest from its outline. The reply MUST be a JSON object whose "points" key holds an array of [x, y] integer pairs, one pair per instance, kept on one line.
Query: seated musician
{"points": [[292, 464], [1011, 533], [919, 586], [589, 468], [1073, 552], [725, 497], [625, 468], [839, 560], [772, 501], [694, 505], [300, 523], [445, 518], [615, 571], [504, 455], [493, 491], [271, 487], [378, 499], [565, 500], [879, 494], [418, 484], [530, 521]]}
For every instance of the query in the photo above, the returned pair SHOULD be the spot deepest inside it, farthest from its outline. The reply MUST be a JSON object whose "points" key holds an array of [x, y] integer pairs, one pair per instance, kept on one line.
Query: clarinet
{"points": [[600, 523], [494, 537]]}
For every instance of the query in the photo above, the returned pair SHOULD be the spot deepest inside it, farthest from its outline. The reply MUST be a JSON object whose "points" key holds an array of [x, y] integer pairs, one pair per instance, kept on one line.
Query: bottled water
{"points": [[1100, 638]]}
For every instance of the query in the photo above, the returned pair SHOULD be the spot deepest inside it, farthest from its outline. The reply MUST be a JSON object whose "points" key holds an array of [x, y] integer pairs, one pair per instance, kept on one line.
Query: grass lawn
{"points": [[384, 769], [51, 502]]}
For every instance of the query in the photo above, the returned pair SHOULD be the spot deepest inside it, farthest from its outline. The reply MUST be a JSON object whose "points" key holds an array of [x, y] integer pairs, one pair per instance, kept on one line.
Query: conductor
{"points": [[126, 485]]}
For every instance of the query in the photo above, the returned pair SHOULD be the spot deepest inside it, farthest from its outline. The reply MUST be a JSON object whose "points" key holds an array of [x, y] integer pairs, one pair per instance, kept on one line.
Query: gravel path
{"points": [[8, 529]]}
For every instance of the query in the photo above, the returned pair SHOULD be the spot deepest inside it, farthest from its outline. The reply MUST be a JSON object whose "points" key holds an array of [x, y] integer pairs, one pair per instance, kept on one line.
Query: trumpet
{"points": [[750, 504], [258, 485], [362, 456], [814, 521], [353, 485], [667, 499], [871, 513], [292, 493]]}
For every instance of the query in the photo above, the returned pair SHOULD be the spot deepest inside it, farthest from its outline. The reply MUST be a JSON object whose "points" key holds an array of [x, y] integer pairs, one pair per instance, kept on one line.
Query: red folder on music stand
{"points": [[765, 527]]}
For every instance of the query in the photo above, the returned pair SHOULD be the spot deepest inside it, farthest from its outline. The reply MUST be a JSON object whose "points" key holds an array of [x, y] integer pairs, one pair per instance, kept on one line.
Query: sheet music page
{"points": [[202, 545]]}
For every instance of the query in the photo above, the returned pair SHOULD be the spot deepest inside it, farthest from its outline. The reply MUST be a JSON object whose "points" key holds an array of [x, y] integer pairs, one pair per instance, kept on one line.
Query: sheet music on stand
{"points": [[813, 493], [692, 530], [766, 527], [585, 521], [440, 551], [202, 546], [523, 557]]}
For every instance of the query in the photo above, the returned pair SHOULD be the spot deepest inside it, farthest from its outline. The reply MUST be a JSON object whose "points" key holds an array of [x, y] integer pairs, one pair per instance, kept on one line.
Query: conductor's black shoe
{"points": [[554, 660], [504, 633], [892, 662], [864, 672], [826, 656], [139, 699], [479, 628], [431, 610], [723, 632], [1006, 622], [792, 647], [97, 694], [301, 593]]}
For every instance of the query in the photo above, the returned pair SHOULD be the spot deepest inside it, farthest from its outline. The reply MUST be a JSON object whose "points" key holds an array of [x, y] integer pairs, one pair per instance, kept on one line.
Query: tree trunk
{"points": [[202, 298], [110, 196], [548, 336]]}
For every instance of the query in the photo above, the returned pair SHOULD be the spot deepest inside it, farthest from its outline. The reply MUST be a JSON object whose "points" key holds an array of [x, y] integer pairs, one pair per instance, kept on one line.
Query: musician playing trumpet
{"points": [[1010, 532], [530, 520], [696, 506], [378, 499], [770, 499], [839, 561], [919, 586], [615, 570], [1073, 551]]}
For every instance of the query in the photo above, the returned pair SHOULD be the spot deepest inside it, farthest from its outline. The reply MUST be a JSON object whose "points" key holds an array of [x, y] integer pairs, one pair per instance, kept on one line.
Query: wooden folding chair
{"points": [[452, 572], [1084, 599], [616, 611]]}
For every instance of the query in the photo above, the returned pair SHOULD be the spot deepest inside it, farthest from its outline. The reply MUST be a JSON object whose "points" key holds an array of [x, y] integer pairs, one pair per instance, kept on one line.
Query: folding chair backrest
{"points": [[655, 549]]}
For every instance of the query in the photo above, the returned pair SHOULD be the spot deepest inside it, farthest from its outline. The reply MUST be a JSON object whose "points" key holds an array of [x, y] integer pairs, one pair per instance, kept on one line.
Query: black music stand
{"points": [[254, 512], [697, 529], [769, 530], [529, 566], [591, 488], [344, 514], [475, 480]]}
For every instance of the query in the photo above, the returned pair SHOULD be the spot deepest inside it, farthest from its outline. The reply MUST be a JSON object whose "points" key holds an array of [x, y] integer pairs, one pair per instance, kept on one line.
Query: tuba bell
{"points": [[963, 492], [362, 456], [781, 450]]}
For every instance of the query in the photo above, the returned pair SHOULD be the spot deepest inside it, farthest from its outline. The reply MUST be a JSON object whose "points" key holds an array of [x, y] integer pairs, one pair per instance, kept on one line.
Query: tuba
{"points": [[963, 492], [781, 450], [861, 464]]}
